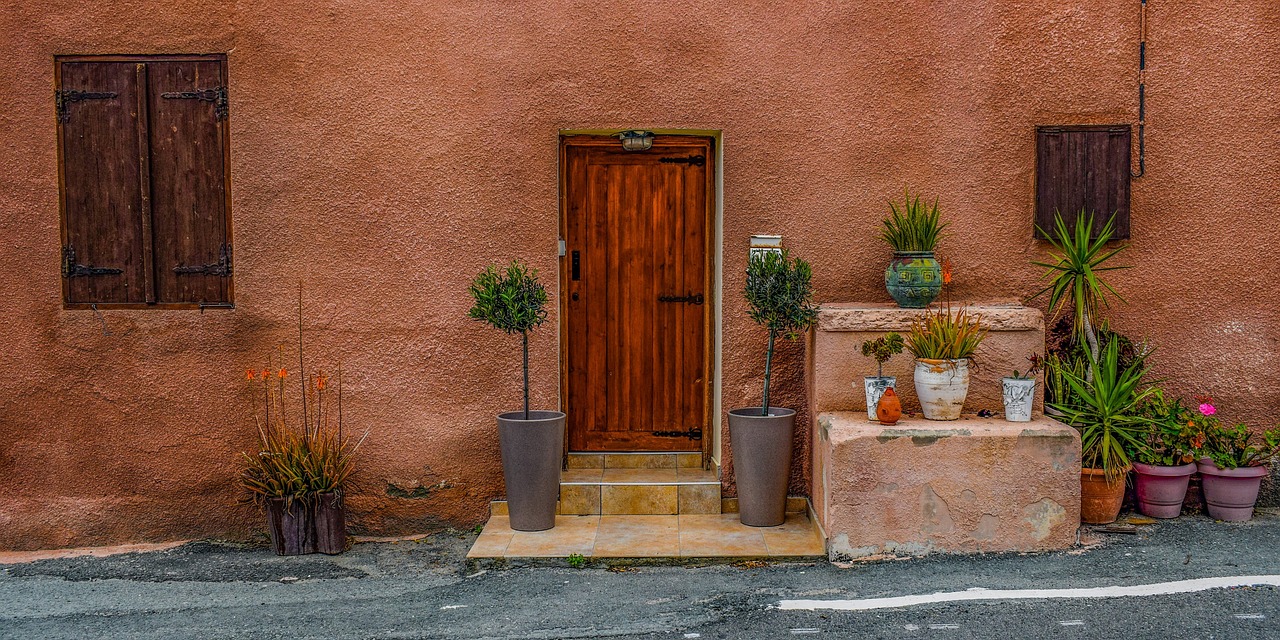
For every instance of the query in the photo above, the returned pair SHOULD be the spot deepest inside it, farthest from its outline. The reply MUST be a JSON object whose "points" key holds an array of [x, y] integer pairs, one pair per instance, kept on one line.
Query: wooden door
{"points": [[637, 297]]}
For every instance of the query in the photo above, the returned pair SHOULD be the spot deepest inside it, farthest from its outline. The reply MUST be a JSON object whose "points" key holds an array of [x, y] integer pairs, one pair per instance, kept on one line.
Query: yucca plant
{"points": [[914, 226], [512, 302], [779, 293], [1109, 411], [940, 335], [1075, 274]]}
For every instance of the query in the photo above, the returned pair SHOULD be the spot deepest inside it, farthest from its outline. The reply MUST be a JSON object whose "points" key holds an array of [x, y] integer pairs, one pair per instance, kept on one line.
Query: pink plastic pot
{"points": [[1161, 489], [1230, 493]]}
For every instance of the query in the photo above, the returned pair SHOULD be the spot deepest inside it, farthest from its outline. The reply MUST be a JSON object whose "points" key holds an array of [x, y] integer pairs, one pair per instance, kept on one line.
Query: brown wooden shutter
{"points": [[188, 123], [1083, 167], [102, 147]]}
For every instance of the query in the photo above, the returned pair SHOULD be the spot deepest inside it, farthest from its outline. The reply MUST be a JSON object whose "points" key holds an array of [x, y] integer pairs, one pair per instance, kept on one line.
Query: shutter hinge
{"points": [[692, 434], [62, 99], [72, 270], [221, 268], [1052, 131], [216, 95]]}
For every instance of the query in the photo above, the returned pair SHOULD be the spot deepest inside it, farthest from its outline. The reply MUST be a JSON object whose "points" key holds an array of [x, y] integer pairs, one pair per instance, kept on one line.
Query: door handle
{"points": [[695, 298]]}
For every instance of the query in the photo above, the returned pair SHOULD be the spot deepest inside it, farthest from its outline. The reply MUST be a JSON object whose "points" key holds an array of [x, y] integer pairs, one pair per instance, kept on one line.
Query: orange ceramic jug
{"points": [[889, 409]]}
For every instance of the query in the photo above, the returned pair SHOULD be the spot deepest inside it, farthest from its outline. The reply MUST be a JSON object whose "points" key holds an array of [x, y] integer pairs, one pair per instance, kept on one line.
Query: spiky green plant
{"points": [[1076, 274], [940, 335], [513, 302], [779, 293], [914, 226], [1109, 412]]}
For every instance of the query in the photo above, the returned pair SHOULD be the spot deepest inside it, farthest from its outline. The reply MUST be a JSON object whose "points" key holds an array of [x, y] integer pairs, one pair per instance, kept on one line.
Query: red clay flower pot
{"points": [[889, 408], [1100, 500], [1230, 493], [1161, 489]]}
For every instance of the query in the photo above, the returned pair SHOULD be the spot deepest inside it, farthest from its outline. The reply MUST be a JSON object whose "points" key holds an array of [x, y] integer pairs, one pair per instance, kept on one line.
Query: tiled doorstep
{"points": [[652, 536]]}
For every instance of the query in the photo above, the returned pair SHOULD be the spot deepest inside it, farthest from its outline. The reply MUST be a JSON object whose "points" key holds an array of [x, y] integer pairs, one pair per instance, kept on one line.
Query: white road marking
{"points": [[453, 606], [693, 635], [1072, 623], [978, 593], [911, 627], [803, 630], [944, 626], [1251, 616]]}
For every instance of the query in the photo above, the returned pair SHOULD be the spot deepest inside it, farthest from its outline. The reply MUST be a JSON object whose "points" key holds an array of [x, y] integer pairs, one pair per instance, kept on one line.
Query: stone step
{"points": [[672, 460], [639, 491]]}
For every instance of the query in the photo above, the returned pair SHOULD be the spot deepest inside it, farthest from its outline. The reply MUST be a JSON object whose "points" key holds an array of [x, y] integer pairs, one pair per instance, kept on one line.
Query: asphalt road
{"points": [[424, 590]]}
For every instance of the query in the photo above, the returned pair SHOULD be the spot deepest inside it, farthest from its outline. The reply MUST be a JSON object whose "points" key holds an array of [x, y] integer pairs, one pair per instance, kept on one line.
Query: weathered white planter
{"points": [[1019, 394], [875, 386], [942, 386]]}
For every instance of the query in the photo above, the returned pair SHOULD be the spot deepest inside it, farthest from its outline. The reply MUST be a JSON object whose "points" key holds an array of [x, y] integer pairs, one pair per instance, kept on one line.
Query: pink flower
{"points": [[1207, 409]]}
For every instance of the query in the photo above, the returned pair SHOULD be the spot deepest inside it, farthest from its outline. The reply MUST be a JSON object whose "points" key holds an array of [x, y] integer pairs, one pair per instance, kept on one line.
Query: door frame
{"points": [[713, 279]]}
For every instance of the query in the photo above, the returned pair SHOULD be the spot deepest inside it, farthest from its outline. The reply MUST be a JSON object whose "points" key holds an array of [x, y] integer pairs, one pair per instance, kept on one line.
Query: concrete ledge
{"points": [[836, 366], [971, 485]]}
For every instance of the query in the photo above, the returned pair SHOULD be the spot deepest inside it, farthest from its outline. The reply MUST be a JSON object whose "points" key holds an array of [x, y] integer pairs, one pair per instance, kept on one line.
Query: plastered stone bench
{"points": [[920, 486], [970, 485]]}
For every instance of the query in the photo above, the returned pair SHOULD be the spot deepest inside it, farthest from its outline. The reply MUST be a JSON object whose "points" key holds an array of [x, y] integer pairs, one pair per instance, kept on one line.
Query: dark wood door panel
{"points": [[636, 364]]}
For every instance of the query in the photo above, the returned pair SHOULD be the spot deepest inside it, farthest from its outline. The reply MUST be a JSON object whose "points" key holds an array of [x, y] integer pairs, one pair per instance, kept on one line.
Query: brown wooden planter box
{"points": [[307, 527]]}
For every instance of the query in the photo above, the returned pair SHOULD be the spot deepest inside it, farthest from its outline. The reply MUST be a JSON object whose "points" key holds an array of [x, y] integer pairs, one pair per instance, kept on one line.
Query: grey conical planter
{"points": [[531, 452], [761, 448]]}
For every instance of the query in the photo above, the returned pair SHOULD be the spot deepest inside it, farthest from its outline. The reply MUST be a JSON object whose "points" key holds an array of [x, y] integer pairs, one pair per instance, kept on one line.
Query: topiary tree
{"points": [[882, 349], [780, 296], [514, 302]]}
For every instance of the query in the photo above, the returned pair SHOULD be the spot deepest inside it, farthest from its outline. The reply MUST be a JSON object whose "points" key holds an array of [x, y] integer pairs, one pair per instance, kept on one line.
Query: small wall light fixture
{"points": [[636, 140]]}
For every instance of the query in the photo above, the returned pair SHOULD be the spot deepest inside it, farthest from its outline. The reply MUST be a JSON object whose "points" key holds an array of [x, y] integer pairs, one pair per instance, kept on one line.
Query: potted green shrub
{"points": [[1019, 391], [881, 349], [513, 301], [779, 293], [1108, 414], [1163, 465], [1234, 462], [943, 344], [913, 276], [301, 472]]}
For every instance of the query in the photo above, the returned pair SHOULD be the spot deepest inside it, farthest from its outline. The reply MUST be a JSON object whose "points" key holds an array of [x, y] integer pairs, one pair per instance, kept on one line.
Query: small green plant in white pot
{"points": [[513, 301], [1019, 391], [780, 296], [943, 344], [881, 349]]}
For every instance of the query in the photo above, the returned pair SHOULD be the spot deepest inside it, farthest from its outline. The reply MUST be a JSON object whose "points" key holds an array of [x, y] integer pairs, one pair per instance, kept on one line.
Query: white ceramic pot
{"points": [[875, 386], [942, 386], [1019, 393]]}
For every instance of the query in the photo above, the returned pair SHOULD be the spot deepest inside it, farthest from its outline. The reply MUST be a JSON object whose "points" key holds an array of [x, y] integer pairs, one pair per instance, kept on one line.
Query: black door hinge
{"points": [[694, 161], [221, 268], [72, 270], [692, 434], [216, 95], [62, 99]]}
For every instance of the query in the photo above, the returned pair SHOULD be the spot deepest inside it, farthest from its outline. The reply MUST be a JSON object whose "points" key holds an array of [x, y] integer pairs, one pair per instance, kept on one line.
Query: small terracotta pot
{"points": [[1160, 490], [1230, 494], [1100, 500], [889, 409], [761, 447]]}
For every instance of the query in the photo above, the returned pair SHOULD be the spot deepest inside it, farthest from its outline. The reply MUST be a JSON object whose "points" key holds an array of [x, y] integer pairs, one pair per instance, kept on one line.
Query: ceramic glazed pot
{"points": [[913, 278], [889, 408], [1160, 490], [761, 448], [875, 386], [531, 452], [1100, 500], [1230, 493], [942, 386], [1019, 395], [300, 527]]}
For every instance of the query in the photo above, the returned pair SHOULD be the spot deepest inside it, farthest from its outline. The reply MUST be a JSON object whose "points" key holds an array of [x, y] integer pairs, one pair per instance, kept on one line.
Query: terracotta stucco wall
{"points": [[384, 152]]}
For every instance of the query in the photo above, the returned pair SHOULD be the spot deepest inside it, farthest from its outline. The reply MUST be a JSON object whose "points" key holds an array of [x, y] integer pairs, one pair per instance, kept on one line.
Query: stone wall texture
{"points": [[383, 152]]}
